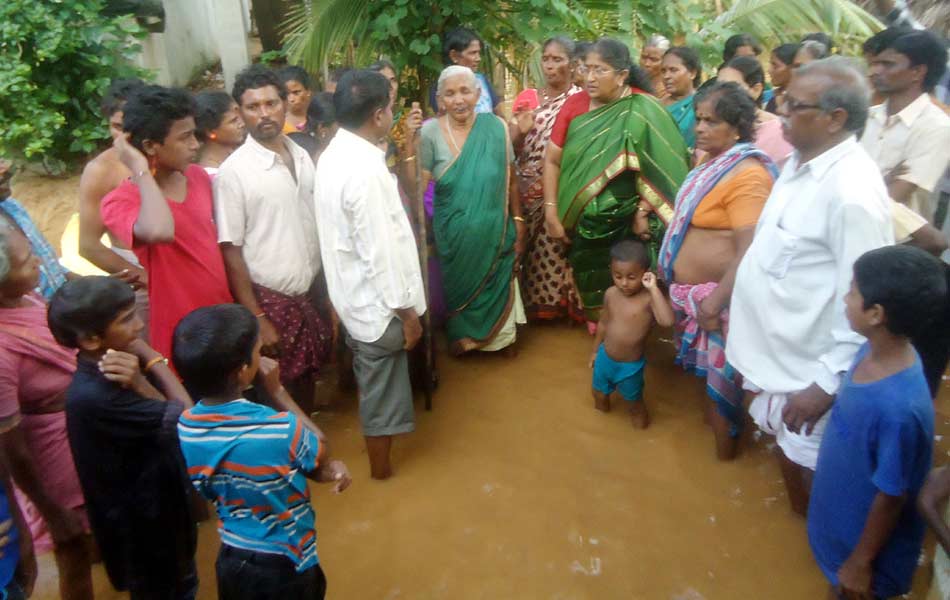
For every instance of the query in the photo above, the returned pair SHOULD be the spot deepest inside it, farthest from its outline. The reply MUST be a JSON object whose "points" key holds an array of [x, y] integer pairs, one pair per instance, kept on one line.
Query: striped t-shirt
{"points": [[250, 461]]}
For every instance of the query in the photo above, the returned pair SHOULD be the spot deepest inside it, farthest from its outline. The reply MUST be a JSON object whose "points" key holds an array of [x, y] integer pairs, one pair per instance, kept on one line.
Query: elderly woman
{"points": [[682, 74], [548, 287], [52, 274], [651, 61], [716, 211], [477, 222], [747, 73], [34, 374], [612, 147], [809, 51]]}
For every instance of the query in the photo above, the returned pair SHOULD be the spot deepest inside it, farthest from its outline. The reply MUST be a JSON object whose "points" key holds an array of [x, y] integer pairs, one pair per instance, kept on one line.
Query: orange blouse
{"points": [[737, 202]]}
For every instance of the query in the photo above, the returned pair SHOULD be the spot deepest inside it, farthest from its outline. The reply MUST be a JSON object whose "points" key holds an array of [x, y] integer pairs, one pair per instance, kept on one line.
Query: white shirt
{"points": [[261, 207], [787, 324], [369, 250], [919, 137]]}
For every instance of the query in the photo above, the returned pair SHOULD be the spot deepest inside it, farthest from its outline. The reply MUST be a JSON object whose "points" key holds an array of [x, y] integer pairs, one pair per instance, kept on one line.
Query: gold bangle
{"points": [[259, 315], [518, 218], [550, 203], [153, 362], [409, 159]]}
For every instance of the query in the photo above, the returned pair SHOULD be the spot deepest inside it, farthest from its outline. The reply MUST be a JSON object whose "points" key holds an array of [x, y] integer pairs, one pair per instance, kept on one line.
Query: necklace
{"points": [[448, 127]]}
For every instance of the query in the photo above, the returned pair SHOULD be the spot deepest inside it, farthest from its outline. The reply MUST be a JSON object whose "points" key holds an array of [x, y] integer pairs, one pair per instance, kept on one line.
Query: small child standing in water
{"points": [[863, 527], [631, 306]]}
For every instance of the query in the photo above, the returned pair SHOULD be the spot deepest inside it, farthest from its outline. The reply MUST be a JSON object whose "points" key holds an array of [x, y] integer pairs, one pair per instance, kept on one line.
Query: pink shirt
{"points": [[769, 139], [28, 383], [184, 274]]}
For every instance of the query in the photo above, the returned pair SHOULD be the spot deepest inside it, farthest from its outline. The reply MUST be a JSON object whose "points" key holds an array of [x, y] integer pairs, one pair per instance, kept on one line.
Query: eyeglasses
{"points": [[793, 105], [597, 71]]}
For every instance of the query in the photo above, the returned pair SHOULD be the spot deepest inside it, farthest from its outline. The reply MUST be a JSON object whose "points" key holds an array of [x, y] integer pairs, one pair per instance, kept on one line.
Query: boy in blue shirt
{"points": [[863, 527], [250, 460]]}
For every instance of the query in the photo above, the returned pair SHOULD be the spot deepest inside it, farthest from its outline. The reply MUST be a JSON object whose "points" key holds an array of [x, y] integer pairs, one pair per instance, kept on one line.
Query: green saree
{"points": [[613, 157], [475, 237]]}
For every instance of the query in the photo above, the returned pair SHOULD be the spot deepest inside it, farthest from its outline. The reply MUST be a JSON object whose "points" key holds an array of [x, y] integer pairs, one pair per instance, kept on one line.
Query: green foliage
{"points": [[272, 57], [408, 32], [56, 61]]}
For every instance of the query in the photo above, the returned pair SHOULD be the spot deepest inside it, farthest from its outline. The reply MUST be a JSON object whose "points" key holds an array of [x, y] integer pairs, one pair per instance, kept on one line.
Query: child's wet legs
{"points": [[797, 483], [639, 415], [601, 401]]}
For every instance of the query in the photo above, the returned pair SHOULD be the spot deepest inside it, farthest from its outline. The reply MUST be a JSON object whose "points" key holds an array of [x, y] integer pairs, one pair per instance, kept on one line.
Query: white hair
{"points": [[846, 87], [657, 41], [5, 230], [455, 71]]}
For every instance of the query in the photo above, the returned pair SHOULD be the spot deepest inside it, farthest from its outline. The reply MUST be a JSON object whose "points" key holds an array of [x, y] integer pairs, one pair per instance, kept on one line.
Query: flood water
{"points": [[515, 487]]}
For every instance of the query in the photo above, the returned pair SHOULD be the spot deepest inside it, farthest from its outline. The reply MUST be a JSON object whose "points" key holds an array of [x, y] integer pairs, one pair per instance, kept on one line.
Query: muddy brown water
{"points": [[515, 487]]}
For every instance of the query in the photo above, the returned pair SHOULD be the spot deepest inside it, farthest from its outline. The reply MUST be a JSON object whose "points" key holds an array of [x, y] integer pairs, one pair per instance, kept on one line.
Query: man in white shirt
{"points": [[370, 260], [788, 334], [263, 201], [908, 136]]}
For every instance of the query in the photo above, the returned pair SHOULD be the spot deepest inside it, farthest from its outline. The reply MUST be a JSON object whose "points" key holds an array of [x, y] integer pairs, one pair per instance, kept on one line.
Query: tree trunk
{"points": [[269, 14]]}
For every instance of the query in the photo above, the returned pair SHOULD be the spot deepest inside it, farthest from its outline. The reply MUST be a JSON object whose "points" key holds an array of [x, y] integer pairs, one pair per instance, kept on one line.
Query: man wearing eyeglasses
{"points": [[789, 336]]}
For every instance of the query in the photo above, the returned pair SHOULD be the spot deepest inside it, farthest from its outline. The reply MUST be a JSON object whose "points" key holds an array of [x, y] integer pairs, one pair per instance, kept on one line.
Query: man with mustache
{"points": [[907, 135], [268, 235]]}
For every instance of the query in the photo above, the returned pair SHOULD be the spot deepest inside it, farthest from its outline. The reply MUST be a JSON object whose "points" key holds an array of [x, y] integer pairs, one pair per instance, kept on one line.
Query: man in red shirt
{"points": [[164, 211]]}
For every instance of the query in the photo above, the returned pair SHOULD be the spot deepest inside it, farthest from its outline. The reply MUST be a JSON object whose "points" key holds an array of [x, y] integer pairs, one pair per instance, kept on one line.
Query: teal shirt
{"points": [[684, 113]]}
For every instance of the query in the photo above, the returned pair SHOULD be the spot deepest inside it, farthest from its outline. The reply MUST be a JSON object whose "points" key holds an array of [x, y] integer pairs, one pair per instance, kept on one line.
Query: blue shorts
{"points": [[625, 377]]}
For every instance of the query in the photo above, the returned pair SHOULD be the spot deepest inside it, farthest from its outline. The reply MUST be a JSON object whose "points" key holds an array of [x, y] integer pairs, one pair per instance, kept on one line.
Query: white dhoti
{"points": [[801, 449]]}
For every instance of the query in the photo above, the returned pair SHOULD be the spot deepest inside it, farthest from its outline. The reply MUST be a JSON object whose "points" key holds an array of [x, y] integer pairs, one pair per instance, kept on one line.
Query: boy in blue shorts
{"points": [[631, 306], [864, 529], [250, 460]]}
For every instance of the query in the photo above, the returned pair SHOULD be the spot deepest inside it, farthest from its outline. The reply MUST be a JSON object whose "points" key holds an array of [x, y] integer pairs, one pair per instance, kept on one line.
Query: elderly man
{"points": [[788, 333], [370, 260], [908, 135], [263, 206]]}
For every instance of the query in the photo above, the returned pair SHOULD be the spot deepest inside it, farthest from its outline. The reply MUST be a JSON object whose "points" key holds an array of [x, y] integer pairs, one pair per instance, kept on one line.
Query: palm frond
{"points": [[790, 19], [314, 32]]}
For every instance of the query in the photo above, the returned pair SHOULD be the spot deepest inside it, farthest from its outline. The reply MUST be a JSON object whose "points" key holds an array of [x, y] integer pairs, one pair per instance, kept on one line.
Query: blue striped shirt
{"points": [[251, 462]]}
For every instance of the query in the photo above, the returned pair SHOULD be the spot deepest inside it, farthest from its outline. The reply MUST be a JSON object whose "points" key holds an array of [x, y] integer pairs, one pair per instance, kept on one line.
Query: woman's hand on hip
{"points": [[641, 224], [708, 315], [555, 230]]}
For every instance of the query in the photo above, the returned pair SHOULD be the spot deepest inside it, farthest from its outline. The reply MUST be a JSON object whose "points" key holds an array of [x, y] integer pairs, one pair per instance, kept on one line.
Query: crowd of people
{"points": [[786, 226]]}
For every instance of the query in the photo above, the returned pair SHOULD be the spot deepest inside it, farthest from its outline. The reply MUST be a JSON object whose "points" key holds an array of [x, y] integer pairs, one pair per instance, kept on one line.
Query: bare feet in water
{"points": [[639, 415]]}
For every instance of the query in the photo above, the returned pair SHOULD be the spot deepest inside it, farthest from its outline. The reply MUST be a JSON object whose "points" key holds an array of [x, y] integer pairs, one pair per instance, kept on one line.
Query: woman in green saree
{"points": [[477, 222], [612, 168], [682, 74]]}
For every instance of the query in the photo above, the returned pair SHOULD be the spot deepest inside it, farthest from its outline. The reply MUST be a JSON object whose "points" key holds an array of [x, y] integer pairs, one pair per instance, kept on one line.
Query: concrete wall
{"points": [[197, 34]]}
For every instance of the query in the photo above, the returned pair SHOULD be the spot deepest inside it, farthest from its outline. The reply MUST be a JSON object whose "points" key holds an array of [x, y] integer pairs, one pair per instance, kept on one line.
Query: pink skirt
{"points": [[48, 443]]}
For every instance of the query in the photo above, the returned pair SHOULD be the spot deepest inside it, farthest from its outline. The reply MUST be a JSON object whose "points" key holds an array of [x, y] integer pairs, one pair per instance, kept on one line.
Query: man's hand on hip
{"points": [[803, 409]]}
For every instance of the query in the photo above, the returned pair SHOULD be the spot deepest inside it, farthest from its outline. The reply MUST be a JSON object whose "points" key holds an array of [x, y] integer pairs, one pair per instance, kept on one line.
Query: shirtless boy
{"points": [[101, 175], [631, 306]]}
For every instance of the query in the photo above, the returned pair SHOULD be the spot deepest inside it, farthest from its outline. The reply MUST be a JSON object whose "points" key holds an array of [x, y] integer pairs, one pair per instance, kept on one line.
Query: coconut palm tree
{"points": [[409, 31]]}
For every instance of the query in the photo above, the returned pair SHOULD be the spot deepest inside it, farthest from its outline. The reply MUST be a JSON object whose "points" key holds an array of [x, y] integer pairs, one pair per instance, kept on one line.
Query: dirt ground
{"points": [[515, 487]]}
